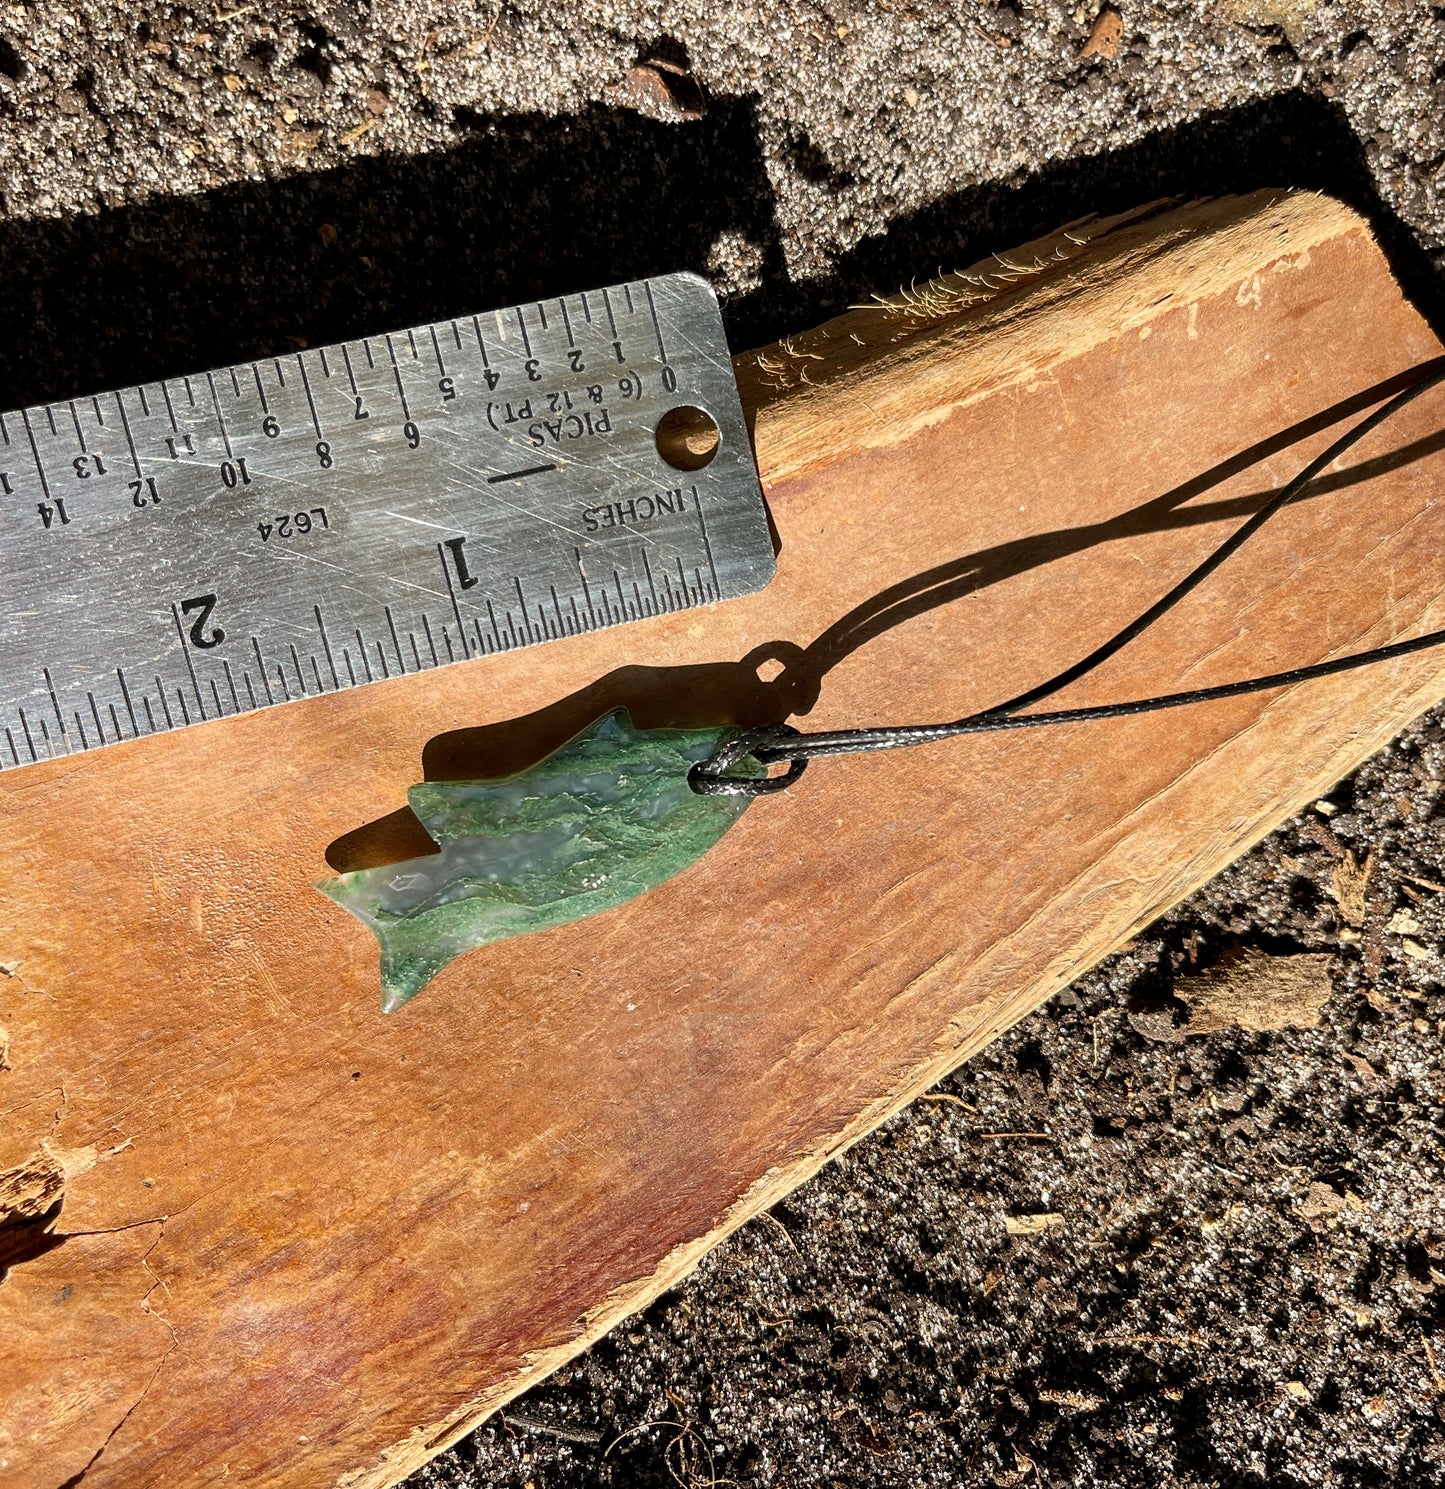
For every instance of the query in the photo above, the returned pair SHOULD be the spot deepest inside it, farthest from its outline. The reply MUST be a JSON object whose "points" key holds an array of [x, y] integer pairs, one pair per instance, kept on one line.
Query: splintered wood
{"points": [[274, 1237]]}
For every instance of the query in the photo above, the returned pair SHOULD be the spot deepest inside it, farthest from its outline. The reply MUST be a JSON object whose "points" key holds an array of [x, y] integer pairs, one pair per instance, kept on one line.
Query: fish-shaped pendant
{"points": [[603, 819]]}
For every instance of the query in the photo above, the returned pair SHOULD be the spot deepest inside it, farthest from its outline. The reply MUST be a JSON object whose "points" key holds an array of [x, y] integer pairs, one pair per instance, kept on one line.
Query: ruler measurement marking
{"points": [[436, 348], [522, 601], [411, 338], [280, 375], [586, 590], [481, 345], [310, 401], [300, 675], [190, 666], [95, 404], [316, 672], [190, 392], [526, 340], [586, 308], [4, 432], [611, 319], [656, 324], [170, 411], [457, 334], [627, 295], [145, 407], [381, 657], [219, 419], [706, 545], [80, 726], [231, 683], [250, 688], [55, 704], [326, 644], [567, 323], [95, 714], [10, 740], [260, 391], [261, 668], [235, 382], [35, 452], [75, 419], [215, 694], [129, 706], [516, 475], [165, 707], [50, 415], [395, 641], [350, 375], [400, 390], [436, 661], [325, 365], [361, 647], [185, 712], [125, 425], [452, 592]]}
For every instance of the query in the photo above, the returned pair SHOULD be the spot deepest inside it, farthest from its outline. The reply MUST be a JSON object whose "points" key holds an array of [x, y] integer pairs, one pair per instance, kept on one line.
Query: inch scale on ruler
{"points": [[202, 546]]}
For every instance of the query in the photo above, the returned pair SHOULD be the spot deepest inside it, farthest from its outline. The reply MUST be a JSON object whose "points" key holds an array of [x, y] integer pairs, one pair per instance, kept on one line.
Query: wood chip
{"points": [[1257, 991], [1350, 883], [1104, 35], [1031, 1225], [659, 92]]}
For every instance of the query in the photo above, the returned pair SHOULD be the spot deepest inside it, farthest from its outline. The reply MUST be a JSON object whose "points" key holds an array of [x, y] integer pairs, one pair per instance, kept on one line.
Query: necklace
{"points": [[618, 810]]}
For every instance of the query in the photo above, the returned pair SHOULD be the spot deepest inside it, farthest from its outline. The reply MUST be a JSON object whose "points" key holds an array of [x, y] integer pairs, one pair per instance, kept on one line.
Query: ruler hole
{"points": [[687, 437]]}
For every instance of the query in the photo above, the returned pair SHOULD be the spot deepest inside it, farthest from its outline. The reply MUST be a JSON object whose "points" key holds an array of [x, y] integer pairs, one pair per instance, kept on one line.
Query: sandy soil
{"points": [[1245, 1281]]}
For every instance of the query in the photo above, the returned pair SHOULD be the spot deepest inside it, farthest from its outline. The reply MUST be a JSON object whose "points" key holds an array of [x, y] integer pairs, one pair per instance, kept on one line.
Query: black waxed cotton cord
{"points": [[776, 744]]}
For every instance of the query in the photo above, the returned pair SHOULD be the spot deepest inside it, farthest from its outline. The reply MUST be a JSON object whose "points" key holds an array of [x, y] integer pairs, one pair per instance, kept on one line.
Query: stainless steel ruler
{"points": [[202, 546]]}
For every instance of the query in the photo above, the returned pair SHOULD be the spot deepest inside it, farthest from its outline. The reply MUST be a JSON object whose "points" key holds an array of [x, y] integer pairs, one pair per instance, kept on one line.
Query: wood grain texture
{"points": [[308, 1244]]}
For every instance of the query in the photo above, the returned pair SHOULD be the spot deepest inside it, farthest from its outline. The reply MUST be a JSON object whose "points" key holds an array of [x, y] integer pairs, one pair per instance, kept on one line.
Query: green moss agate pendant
{"points": [[606, 817]]}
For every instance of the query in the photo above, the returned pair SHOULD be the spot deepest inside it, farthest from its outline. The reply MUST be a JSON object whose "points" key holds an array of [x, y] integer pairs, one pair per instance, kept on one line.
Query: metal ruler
{"points": [[202, 546]]}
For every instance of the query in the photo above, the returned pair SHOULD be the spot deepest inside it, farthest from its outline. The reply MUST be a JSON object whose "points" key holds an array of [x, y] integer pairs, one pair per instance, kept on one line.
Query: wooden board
{"points": [[300, 1242]]}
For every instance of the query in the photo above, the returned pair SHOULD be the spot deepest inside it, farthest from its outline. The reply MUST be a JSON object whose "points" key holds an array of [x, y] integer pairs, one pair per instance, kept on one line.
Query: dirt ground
{"points": [[1235, 1269]]}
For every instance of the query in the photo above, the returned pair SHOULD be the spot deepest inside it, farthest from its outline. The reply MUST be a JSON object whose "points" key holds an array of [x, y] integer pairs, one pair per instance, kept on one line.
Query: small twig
{"points": [[787, 1234], [1434, 1368], [584, 1435], [944, 1096], [1180, 1339]]}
